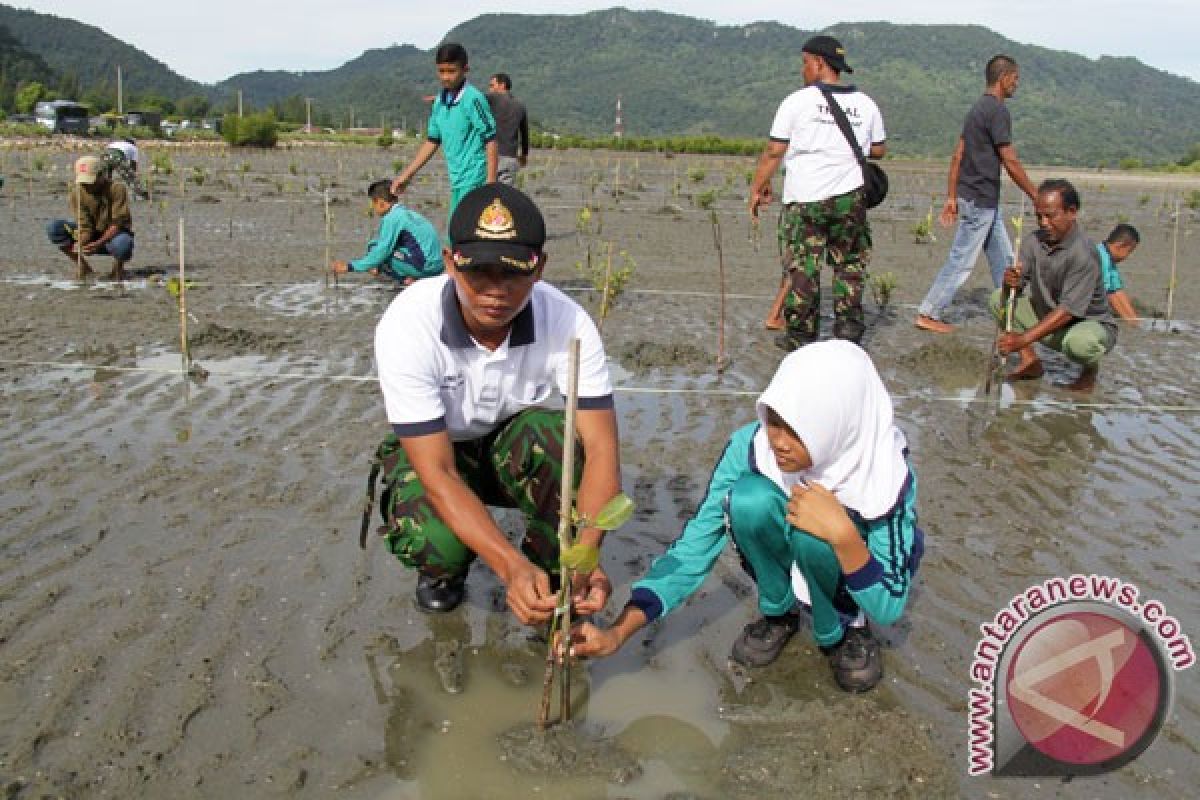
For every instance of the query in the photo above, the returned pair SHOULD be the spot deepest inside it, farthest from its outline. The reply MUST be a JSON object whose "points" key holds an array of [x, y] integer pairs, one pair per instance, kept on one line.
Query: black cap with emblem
{"points": [[497, 225]]}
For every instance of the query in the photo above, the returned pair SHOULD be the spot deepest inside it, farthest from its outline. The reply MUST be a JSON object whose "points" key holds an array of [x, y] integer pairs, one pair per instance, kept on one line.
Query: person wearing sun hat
{"points": [[469, 364], [103, 223]]}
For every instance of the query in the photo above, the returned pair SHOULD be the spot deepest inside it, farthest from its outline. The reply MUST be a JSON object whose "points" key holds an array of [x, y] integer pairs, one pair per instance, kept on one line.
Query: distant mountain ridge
{"points": [[678, 75]]}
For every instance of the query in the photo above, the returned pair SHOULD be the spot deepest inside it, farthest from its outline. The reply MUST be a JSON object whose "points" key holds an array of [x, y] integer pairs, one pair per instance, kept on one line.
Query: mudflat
{"points": [[185, 611]]}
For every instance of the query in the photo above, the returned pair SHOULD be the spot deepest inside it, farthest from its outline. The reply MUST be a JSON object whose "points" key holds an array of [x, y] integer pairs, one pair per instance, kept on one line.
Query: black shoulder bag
{"points": [[875, 180]]}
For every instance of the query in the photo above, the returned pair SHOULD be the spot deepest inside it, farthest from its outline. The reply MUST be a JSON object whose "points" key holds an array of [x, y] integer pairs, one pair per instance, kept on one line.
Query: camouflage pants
{"points": [[833, 230], [518, 465]]}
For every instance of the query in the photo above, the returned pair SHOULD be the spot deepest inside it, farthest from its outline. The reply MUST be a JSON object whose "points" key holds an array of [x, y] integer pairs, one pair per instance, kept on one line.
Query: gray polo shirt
{"points": [[1066, 275], [987, 127]]}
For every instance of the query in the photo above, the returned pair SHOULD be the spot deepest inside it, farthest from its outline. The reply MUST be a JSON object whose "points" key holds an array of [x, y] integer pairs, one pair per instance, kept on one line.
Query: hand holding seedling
{"points": [[528, 593], [760, 196]]}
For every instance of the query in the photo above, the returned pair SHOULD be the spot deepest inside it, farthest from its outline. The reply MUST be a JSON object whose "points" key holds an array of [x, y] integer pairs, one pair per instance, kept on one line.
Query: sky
{"points": [[214, 39]]}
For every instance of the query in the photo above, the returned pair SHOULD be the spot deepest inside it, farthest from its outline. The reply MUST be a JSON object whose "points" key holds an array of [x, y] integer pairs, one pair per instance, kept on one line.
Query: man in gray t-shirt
{"points": [[512, 128], [973, 195], [1066, 308]]}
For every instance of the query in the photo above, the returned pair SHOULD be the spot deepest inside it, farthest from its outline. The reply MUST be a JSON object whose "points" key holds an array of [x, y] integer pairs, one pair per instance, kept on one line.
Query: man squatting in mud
{"points": [[467, 364], [104, 224], [1066, 308]]}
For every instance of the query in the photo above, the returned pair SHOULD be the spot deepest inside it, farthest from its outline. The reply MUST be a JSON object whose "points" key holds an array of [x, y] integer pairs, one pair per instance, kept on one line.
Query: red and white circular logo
{"points": [[1086, 689]]}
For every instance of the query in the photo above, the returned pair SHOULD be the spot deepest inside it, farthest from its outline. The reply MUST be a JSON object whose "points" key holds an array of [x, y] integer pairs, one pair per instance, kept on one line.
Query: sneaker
{"points": [[856, 660], [762, 641], [440, 593]]}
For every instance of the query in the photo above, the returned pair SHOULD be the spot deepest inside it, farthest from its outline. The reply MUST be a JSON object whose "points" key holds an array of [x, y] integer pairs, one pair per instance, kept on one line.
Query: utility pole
{"points": [[239, 102], [120, 94], [308, 115], [618, 124]]}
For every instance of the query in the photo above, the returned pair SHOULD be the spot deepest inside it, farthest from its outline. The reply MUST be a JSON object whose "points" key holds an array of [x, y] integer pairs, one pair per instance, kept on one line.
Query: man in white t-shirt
{"points": [[825, 213], [468, 363]]}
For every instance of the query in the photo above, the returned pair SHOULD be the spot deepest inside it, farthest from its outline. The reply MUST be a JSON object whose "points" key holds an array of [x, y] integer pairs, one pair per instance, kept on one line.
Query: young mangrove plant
{"points": [[574, 557]]}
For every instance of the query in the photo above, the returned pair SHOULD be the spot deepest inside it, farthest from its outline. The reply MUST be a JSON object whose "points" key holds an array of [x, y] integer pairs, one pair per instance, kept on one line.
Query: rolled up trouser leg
{"points": [[1084, 342]]}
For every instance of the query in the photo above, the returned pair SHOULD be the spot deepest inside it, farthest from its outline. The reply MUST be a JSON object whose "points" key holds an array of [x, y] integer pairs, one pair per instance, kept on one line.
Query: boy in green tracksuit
{"points": [[461, 123], [406, 247], [820, 500]]}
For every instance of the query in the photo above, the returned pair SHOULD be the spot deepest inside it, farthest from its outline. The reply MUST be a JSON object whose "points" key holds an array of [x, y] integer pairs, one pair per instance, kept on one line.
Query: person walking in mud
{"points": [[103, 223], [468, 363], [973, 196], [825, 212], [461, 124], [1066, 308], [405, 249], [512, 128], [819, 498]]}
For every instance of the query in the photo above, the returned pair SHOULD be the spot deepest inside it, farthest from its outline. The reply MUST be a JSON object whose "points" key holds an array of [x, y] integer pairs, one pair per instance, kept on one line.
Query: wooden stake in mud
{"points": [[78, 229], [604, 294], [184, 350], [557, 651], [716, 228], [994, 360], [329, 244], [1174, 261]]}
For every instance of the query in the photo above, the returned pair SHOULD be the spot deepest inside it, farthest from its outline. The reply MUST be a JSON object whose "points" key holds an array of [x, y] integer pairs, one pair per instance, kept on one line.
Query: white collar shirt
{"points": [[436, 377]]}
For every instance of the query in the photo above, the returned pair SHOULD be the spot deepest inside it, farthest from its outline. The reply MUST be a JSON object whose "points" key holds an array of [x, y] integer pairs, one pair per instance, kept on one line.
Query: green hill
{"points": [[18, 66], [678, 75], [85, 59]]}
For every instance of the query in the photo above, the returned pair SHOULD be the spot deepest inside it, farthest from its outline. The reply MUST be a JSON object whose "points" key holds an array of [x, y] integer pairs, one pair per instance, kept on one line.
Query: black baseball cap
{"points": [[498, 225], [829, 49]]}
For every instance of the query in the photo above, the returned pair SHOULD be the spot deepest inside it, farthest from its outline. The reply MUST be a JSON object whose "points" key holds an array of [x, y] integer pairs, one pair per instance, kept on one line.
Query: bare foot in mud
{"points": [[1085, 383], [774, 324], [1027, 371]]}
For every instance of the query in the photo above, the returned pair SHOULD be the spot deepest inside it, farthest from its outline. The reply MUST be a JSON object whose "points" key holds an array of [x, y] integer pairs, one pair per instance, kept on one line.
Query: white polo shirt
{"points": [[435, 377], [819, 161]]}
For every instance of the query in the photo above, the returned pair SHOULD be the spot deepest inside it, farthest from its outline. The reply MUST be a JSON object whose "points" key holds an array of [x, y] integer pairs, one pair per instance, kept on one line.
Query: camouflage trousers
{"points": [[834, 230], [518, 465]]}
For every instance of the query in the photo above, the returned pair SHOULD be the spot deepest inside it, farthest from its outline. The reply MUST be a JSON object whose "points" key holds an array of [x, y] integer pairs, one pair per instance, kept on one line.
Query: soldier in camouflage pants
{"points": [[833, 230], [518, 465]]}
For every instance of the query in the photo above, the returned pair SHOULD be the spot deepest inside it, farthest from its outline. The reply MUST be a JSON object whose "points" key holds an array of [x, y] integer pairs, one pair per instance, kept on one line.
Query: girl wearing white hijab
{"points": [[820, 500]]}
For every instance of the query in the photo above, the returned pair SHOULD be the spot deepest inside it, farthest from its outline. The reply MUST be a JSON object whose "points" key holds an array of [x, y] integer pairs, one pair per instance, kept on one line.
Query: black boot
{"points": [[440, 593]]}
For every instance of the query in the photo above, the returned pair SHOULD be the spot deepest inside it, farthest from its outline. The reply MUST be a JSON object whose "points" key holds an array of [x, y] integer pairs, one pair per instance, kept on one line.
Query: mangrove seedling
{"points": [[574, 558], [923, 231], [882, 287]]}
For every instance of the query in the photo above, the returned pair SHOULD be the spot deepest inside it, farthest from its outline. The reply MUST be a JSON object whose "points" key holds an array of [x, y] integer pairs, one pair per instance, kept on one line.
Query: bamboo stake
{"points": [[558, 647], [1174, 260], [994, 360], [184, 350], [78, 230], [716, 228], [328, 242], [604, 294]]}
